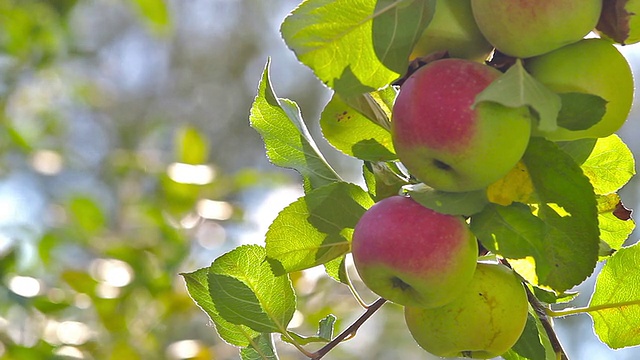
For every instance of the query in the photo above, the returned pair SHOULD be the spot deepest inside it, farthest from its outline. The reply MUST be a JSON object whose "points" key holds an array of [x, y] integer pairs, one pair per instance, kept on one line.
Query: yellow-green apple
{"points": [[412, 255], [525, 28], [446, 143], [591, 66], [620, 21], [453, 29], [485, 321]]}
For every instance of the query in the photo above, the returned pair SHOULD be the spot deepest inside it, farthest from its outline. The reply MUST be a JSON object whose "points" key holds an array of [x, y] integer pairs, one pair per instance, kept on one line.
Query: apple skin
{"points": [[445, 143], [411, 255], [526, 28], [454, 29], [485, 321], [591, 66]]}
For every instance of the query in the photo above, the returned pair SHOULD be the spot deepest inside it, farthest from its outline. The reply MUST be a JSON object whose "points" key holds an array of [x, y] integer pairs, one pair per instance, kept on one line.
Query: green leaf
{"points": [[322, 33], [262, 348], [337, 270], [550, 297], [382, 179], [450, 203], [316, 228], [568, 208], [558, 246], [376, 106], [517, 88], [286, 137], [530, 345], [515, 233], [397, 27], [580, 111], [610, 165], [246, 292], [155, 12], [579, 150], [198, 288], [353, 134], [191, 146], [326, 326], [87, 214], [615, 302], [324, 334]]}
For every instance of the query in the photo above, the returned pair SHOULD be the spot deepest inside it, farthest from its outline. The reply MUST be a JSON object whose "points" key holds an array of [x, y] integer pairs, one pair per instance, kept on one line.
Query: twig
{"points": [[350, 331], [546, 323]]}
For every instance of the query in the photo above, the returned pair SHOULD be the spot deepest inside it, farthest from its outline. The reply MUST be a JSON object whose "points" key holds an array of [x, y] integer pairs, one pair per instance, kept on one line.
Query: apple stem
{"points": [[355, 293], [541, 312], [350, 331]]}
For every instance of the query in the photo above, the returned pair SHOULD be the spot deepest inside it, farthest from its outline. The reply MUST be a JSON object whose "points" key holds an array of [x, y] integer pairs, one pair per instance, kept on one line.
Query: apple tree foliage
{"points": [[554, 217]]}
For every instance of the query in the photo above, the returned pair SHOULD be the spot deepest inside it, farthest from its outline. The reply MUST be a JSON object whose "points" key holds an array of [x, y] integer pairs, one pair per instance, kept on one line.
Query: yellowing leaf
{"points": [[515, 186]]}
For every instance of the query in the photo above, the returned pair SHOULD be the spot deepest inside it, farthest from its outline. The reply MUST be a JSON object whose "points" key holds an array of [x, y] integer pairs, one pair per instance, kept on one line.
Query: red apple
{"points": [[412, 255], [446, 143]]}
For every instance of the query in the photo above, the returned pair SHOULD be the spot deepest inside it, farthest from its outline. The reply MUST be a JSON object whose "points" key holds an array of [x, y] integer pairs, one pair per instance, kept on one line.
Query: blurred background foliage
{"points": [[126, 158]]}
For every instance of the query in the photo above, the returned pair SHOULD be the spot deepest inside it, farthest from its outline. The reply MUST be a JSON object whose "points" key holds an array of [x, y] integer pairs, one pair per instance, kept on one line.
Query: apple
{"points": [[485, 321], [446, 143], [528, 28], [454, 29], [412, 255], [591, 66], [620, 21]]}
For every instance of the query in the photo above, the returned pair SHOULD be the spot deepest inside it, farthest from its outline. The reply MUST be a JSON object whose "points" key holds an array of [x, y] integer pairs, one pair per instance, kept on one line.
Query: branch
{"points": [[350, 331], [541, 311]]}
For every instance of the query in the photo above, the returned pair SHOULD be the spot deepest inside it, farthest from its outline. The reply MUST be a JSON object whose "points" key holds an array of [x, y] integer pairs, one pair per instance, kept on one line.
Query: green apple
{"points": [[529, 28], [412, 255], [453, 28], [620, 21], [591, 66], [483, 322], [446, 143]]}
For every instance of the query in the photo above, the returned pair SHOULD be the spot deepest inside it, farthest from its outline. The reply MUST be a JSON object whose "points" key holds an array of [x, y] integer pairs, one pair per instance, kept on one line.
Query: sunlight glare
{"points": [[113, 272], [69, 351], [191, 174], [214, 210], [183, 349], [25, 286], [46, 162]]}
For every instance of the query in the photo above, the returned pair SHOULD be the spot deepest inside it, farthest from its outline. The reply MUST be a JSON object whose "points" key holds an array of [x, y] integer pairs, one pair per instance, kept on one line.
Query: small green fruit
{"points": [[528, 28], [446, 143], [412, 255], [592, 66], [485, 321], [453, 29]]}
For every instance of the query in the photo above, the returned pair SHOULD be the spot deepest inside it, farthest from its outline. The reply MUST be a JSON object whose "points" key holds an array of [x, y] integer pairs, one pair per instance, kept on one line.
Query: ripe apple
{"points": [[454, 29], [620, 21], [485, 321], [591, 66], [412, 255], [446, 143], [529, 28]]}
